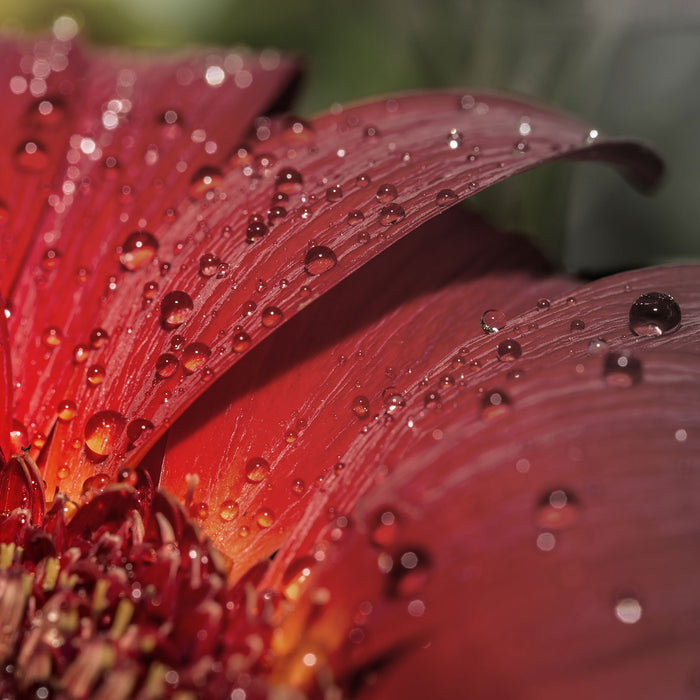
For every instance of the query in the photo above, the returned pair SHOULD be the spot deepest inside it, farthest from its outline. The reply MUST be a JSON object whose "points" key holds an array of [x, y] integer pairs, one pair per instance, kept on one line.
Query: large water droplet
{"points": [[206, 179], [256, 469], [271, 316], [228, 510], [139, 431], [102, 431], [175, 308], [622, 369], [655, 313], [493, 320], [138, 250], [319, 259], [386, 193], [166, 365], [509, 350], [195, 356], [391, 214]]}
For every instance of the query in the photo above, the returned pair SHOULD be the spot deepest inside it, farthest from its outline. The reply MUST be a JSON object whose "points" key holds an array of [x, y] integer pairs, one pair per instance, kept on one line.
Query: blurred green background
{"points": [[631, 67]]}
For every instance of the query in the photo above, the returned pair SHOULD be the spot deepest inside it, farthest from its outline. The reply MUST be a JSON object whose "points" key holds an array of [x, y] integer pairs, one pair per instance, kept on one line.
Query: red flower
{"points": [[455, 473]]}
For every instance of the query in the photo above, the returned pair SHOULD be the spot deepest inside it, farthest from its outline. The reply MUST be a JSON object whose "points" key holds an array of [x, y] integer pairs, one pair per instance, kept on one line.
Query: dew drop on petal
{"points": [[495, 404], [628, 610], [298, 487], [255, 231], [228, 510], [577, 325], [654, 313], [80, 354], [596, 347], [208, 265], [175, 308], [508, 350], [393, 400], [557, 509], [362, 180], [289, 181], [271, 316], [455, 138], [256, 469], [139, 431], [150, 289], [493, 320], [52, 337], [166, 365], [265, 517], [66, 410], [355, 217], [360, 407], [206, 179], [386, 193], [194, 357], [432, 400], [98, 338], [445, 197], [543, 304], [95, 375], [319, 259], [622, 369], [50, 259], [241, 340], [391, 214], [138, 250], [334, 193], [102, 432]]}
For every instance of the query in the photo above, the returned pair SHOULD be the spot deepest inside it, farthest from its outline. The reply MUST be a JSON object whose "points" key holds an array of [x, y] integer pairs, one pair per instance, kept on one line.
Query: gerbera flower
{"points": [[277, 459]]}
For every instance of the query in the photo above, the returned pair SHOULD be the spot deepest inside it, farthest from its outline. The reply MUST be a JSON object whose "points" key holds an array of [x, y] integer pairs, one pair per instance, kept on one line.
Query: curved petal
{"points": [[5, 392], [544, 550], [419, 154], [272, 432]]}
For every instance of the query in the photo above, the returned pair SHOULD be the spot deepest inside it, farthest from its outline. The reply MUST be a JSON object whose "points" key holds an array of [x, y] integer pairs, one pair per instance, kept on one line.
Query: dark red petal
{"points": [[392, 160], [546, 552], [5, 390], [21, 486], [272, 435]]}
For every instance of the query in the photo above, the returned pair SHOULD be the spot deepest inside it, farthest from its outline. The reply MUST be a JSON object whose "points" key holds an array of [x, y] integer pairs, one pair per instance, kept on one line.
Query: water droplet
{"points": [[66, 410], [495, 404], [228, 510], [385, 528], [520, 147], [298, 487], [391, 214], [493, 320], [241, 340], [50, 259], [296, 577], [271, 316], [371, 133], [195, 356], [102, 432], [206, 179], [248, 309], [175, 308], [393, 400], [52, 337], [409, 573], [177, 342], [598, 346], [355, 217], [98, 338], [289, 181], [80, 354], [386, 193], [628, 610], [622, 369], [138, 250], [360, 407], [31, 156], [543, 304], [319, 259], [432, 400], [570, 301], [445, 197], [455, 138], [208, 265], [556, 510], [171, 123], [508, 350], [362, 180], [95, 484], [166, 365], [577, 325], [139, 431], [256, 469], [334, 193], [95, 375], [654, 313], [265, 517], [255, 231]]}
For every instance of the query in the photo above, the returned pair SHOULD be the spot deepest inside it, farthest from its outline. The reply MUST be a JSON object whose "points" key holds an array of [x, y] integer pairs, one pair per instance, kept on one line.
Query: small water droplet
{"points": [[445, 197], [319, 259], [228, 510], [298, 132], [386, 193], [102, 431], [66, 410], [195, 356], [355, 217], [265, 517], [175, 309], [371, 133], [138, 431], [95, 375], [334, 193], [495, 404], [80, 354], [654, 313], [241, 340], [508, 350], [391, 214], [208, 265], [543, 304], [256, 469], [393, 400], [50, 259], [206, 179], [622, 369], [455, 138], [52, 337], [255, 231], [289, 181], [166, 365], [577, 325], [138, 250], [493, 320], [520, 147], [556, 510], [628, 610], [150, 289], [360, 407], [98, 338], [275, 215], [432, 400], [298, 487], [271, 316], [362, 180]]}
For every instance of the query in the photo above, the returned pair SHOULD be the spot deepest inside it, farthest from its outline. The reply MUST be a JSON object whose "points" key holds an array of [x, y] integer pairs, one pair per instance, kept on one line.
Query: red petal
{"points": [[523, 550], [294, 403], [5, 391], [422, 146]]}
